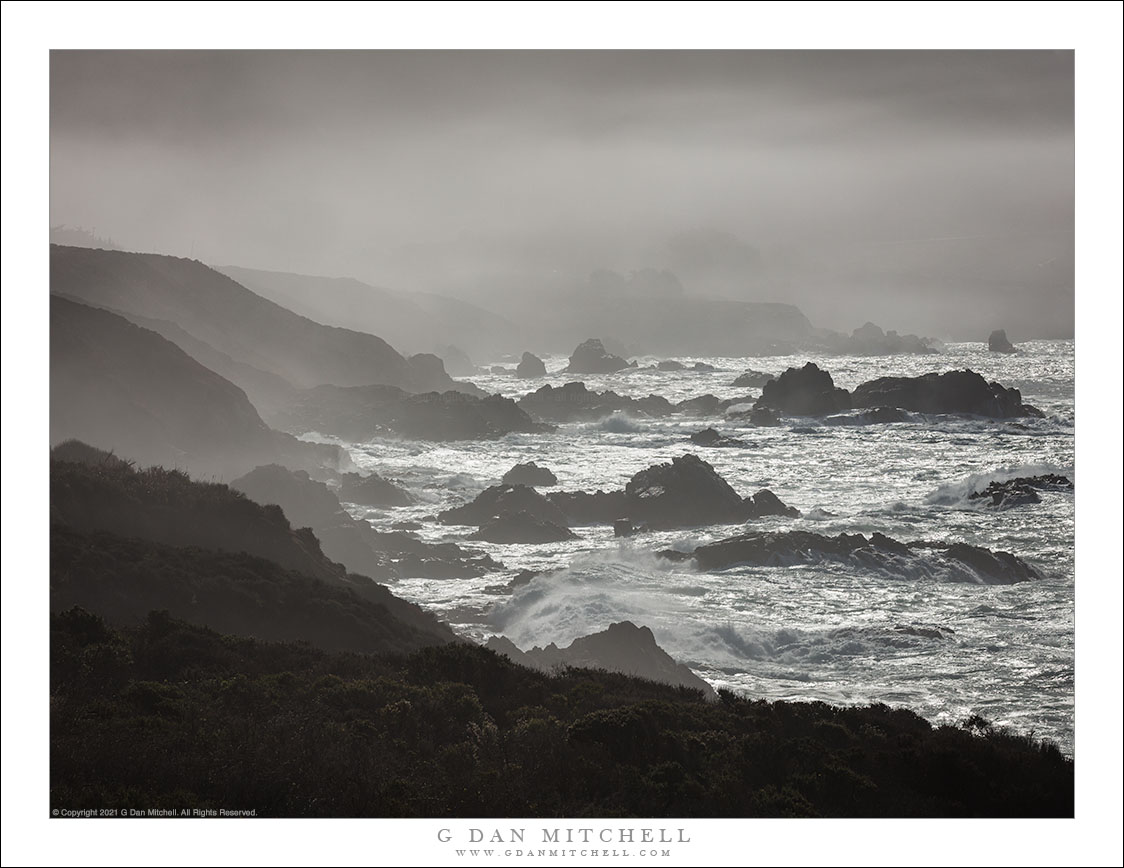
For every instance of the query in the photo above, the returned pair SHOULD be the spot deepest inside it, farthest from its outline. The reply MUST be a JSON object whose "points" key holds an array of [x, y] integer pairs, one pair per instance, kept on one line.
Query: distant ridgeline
{"points": [[263, 348]]}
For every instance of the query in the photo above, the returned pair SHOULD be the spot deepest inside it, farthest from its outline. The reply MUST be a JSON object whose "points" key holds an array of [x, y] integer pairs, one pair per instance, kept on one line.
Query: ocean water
{"points": [[836, 633]]}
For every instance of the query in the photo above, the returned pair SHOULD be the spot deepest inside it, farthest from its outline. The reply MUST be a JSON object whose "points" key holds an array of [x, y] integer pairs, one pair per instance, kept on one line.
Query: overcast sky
{"points": [[328, 162]]}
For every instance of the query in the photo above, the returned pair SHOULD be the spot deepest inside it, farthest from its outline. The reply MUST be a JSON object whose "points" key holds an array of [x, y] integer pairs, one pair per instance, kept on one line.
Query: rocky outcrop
{"points": [[590, 357], [997, 342], [879, 554], [372, 490], [530, 366], [529, 474], [670, 365], [597, 507], [954, 392], [870, 340], [710, 438], [623, 647], [685, 492], [499, 501], [752, 380], [703, 405], [522, 527], [573, 402], [1020, 491], [358, 413], [385, 556], [806, 391]]}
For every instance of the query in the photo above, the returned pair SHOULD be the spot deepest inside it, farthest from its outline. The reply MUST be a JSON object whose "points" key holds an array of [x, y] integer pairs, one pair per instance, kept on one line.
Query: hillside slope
{"points": [[125, 388], [125, 541], [233, 320], [413, 321]]}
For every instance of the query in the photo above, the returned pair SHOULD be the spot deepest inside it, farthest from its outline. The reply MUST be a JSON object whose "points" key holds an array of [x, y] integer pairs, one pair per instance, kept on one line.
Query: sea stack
{"points": [[997, 342]]}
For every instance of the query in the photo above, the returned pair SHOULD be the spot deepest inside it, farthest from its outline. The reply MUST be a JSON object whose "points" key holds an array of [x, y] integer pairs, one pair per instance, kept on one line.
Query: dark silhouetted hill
{"points": [[146, 516], [125, 388], [232, 320], [171, 714]]}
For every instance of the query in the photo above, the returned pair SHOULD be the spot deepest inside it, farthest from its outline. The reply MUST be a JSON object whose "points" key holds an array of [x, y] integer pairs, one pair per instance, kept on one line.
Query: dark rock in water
{"points": [[499, 369], [703, 368], [1021, 491], [583, 507], [767, 503], [884, 415], [591, 358], [703, 405], [384, 556], [881, 554], [504, 500], [997, 342], [686, 492], [574, 402], [870, 340], [873, 416], [357, 413], [752, 380], [530, 366], [710, 438], [806, 391], [623, 647], [622, 527], [372, 490], [529, 474], [522, 527], [456, 361], [670, 365], [962, 392]]}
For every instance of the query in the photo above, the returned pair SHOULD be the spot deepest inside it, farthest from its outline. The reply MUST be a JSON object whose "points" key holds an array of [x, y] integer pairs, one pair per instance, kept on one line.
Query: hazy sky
{"points": [[328, 162]]}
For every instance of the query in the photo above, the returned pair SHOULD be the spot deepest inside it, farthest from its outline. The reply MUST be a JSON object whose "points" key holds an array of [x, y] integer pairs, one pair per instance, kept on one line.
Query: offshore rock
{"points": [[880, 554], [574, 402], [530, 366], [529, 474], [1021, 491], [955, 392], [997, 342], [522, 527], [372, 490], [499, 501], [710, 438], [752, 380], [357, 413], [685, 492], [623, 647], [590, 357], [806, 391]]}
